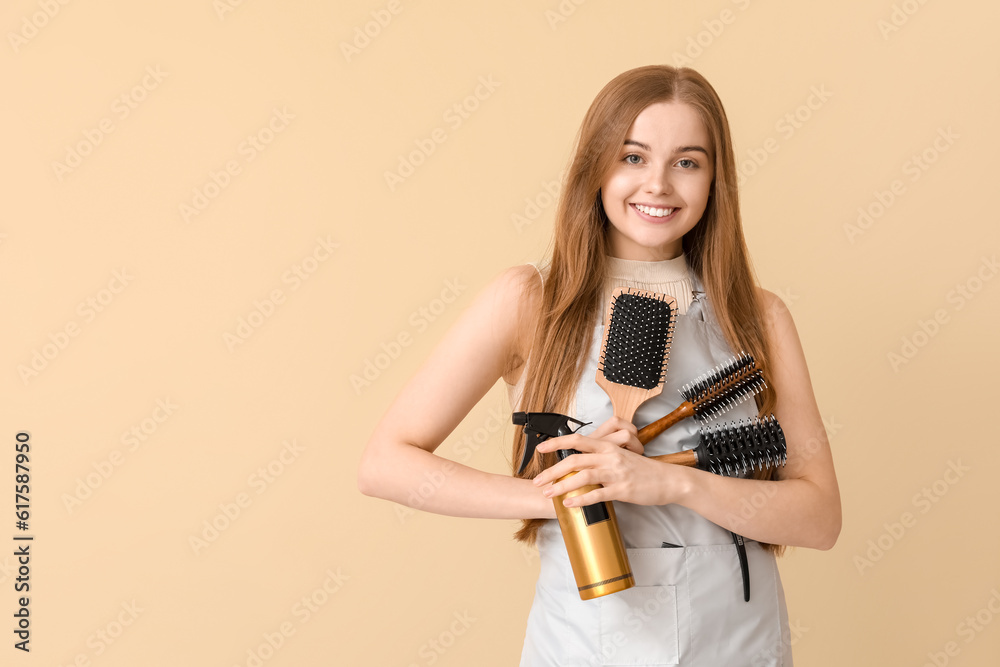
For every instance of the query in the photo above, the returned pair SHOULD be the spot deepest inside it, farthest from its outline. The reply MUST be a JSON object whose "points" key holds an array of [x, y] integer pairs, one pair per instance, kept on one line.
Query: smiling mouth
{"points": [[655, 212]]}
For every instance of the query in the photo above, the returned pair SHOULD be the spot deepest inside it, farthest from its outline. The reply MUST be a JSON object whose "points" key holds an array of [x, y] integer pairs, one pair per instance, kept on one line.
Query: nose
{"points": [[658, 180]]}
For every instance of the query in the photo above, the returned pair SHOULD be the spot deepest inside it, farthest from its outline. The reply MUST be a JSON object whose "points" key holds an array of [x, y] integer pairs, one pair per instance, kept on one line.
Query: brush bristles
{"points": [[637, 341], [736, 449], [724, 387]]}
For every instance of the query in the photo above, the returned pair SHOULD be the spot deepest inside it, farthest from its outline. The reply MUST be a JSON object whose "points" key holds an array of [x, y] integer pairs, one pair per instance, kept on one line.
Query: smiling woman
{"points": [[659, 189], [650, 202]]}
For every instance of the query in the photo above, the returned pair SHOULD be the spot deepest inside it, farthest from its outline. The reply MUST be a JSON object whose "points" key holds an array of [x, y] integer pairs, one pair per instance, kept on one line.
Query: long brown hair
{"points": [[715, 250]]}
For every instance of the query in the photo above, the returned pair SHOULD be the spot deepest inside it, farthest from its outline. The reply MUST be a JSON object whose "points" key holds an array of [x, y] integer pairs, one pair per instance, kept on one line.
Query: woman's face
{"points": [[658, 189]]}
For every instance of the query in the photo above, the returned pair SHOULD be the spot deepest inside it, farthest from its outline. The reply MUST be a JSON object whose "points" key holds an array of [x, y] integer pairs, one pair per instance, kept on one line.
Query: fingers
{"points": [[599, 453], [621, 433], [596, 496], [624, 438], [574, 463], [581, 443], [571, 483], [612, 425], [635, 446], [588, 443]]}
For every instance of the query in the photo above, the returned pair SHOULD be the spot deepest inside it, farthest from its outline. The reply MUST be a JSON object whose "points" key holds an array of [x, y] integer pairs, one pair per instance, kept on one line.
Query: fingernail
{"points": [[547, 493]]}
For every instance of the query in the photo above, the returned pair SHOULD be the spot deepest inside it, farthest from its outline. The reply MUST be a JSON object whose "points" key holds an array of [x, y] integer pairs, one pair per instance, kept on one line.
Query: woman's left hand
{"points": [[611, 456]]}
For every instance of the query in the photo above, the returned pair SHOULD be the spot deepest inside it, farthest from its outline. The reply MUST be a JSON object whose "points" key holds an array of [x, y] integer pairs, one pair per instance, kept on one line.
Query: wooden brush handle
{"points": [[650, 431], [626, 400], [685, 458]]}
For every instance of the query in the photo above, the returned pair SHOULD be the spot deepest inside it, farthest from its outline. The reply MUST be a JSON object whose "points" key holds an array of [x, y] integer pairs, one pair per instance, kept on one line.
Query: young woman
{"points": [[650, 201]]}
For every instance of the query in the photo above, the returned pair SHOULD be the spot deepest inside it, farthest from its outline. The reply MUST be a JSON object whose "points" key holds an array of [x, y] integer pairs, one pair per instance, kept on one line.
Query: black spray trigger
{"points": [[539, 427]]}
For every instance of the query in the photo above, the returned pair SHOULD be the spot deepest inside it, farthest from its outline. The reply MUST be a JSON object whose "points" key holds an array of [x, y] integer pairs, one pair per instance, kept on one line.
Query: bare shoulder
{"points": [[775, 311], [521, 279], [778, 320], [517, 289], [519, 297]]}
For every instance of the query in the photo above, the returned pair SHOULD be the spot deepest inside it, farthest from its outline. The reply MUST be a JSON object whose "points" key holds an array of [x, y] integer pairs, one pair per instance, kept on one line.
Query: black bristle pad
{"points": [[636, 340], [724, 387], [735, 449]]}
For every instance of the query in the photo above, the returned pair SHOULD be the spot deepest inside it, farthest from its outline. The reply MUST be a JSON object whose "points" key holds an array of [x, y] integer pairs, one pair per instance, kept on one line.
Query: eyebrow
{"points": [[679, 149]]}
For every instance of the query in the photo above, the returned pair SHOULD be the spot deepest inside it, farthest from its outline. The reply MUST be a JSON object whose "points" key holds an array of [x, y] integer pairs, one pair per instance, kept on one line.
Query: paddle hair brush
{"points": [[712, 394]]}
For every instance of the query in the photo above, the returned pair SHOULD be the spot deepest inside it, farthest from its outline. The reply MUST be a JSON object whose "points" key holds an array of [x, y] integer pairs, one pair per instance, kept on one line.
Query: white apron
{"points": [[687, 606]]}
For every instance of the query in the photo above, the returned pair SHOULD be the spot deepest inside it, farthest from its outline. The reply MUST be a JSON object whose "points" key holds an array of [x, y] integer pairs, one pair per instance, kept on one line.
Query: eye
{"points": [[691, 164], [628, 159]]}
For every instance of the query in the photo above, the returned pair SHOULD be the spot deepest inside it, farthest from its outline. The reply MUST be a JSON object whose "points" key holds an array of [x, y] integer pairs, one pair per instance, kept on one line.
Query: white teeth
{"points": [[655, 212]]}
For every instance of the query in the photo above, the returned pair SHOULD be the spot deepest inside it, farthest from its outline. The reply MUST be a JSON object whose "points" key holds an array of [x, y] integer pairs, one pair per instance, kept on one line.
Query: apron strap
{"points": [[696, 310]]}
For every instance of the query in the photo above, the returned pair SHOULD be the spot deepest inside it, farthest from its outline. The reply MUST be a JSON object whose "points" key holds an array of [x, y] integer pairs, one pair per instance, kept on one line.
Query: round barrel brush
{"points": [[712, 394], [735, 448]]}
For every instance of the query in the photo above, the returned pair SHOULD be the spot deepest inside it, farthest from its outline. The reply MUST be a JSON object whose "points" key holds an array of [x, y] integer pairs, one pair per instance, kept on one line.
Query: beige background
{"points": [[114, 516]]}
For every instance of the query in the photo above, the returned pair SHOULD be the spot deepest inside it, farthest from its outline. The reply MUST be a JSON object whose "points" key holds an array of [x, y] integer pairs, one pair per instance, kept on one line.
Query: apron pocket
{"points": [[639, 626], [726, 629]]}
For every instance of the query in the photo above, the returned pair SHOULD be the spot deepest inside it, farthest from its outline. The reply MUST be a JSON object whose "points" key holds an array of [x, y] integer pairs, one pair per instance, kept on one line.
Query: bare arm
{"points": [[801, 508], [399, 463]]}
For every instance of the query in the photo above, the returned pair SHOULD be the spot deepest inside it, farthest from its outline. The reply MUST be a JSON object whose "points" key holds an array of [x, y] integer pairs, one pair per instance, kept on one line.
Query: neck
{"points": [[667, 276]]}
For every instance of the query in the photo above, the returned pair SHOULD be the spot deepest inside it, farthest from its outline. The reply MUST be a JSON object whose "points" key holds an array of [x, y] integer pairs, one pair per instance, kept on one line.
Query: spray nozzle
{"points": [[539, 427]]}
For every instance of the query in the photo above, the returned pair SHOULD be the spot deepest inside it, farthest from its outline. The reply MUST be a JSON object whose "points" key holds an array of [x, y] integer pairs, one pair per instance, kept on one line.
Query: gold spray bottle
{"points": [[593, 541]]}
